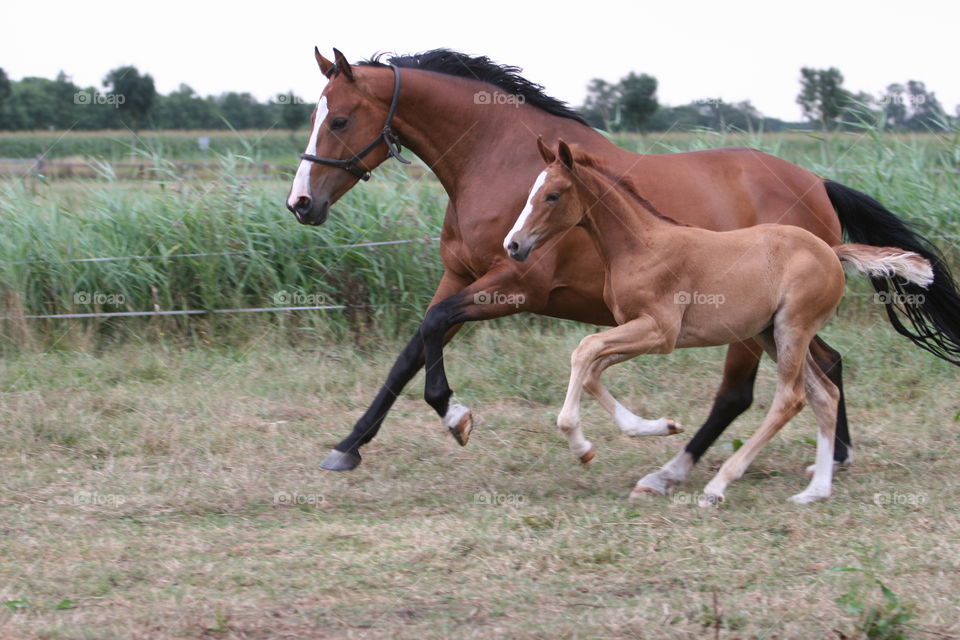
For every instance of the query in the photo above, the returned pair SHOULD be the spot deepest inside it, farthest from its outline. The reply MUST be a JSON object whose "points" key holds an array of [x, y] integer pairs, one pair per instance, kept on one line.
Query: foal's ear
{"points": [[342, 65], [545, 152], [326, 67], [565, 154]]}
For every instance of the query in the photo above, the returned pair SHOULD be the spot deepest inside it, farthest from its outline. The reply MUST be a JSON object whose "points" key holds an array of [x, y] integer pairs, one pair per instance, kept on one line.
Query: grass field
{"points": [[159, 477], [151, 491]]}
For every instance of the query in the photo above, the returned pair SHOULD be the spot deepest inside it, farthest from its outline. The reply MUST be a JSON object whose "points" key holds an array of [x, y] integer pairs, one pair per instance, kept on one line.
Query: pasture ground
{"points": [[154, 491]]}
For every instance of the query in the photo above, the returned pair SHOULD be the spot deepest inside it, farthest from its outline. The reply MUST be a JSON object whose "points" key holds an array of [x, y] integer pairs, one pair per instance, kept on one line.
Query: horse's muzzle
{"points": [[309, 212]]}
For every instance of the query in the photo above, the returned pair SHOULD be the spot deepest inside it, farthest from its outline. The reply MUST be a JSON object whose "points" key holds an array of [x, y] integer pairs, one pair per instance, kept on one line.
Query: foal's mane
{"points": [[584, 159], [482, 68]]}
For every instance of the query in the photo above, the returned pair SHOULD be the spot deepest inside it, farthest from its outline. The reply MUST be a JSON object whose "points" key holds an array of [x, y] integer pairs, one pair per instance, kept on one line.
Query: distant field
{"points": [[124, 145]]}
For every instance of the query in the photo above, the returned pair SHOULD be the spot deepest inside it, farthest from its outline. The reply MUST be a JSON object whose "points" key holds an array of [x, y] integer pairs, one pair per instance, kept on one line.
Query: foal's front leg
{"points": [[643, 335], [630, 423]]}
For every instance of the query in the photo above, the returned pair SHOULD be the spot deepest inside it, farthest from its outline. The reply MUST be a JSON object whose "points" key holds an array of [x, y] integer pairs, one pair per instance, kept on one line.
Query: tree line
{"points": [[127, 98], [631, 105]]}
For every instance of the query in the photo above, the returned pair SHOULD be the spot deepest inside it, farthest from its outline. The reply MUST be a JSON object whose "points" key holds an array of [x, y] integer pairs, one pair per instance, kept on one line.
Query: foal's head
{"points": [[553, 205]]}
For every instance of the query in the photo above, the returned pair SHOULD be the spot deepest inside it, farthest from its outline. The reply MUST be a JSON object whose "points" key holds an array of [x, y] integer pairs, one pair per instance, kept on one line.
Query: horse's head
{"points": [[553, 205], [350, 136]]}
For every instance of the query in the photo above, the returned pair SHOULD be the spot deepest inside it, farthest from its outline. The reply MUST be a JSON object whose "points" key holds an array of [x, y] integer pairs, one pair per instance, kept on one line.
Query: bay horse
{"points": [[466, 117], [672, 286]]}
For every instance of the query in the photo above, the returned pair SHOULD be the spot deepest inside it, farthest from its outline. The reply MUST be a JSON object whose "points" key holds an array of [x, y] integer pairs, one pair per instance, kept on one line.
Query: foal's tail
{"points": [[927, 314], [887, 262]]}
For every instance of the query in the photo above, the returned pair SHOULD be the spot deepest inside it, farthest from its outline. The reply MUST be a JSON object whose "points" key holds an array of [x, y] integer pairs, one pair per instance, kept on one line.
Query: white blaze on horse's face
{"points": [[301, 182], [527, 209]]}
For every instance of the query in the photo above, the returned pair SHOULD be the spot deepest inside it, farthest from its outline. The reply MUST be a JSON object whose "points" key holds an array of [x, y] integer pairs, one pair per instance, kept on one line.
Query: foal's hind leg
{"points": [[790, 352], [824, 397], [630, 423]]}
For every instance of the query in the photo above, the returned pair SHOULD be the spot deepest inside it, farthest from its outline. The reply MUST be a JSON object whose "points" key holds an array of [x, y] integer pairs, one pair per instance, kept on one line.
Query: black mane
{"points": [[481, 68]]}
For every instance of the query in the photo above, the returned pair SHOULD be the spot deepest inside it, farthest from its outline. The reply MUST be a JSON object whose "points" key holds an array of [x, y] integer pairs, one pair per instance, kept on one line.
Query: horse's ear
{"points": [[545, 152], [342, 65], [326, 67], [565, 154]]}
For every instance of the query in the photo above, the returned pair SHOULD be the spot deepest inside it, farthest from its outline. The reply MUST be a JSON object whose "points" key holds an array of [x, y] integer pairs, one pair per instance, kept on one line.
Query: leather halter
{"points": [[386, 135]]}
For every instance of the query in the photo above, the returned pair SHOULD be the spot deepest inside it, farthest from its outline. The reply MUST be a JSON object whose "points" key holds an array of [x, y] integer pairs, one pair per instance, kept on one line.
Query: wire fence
{"points": [[193, 312], [196, 312]]}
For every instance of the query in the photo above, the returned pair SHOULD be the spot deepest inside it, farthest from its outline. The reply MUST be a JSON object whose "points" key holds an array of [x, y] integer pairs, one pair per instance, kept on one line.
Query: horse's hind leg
{"points": [[830, 362], [790, 352], [733, 398], [630, 423], [823, 397]]}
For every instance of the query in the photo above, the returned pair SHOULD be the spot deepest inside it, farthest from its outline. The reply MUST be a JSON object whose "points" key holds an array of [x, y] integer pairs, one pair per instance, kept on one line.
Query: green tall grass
{"points": [[269, 259], [273, 261]]}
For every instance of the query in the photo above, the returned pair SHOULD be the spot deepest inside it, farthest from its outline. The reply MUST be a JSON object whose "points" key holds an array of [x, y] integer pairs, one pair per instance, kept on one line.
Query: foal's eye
{"points": [[338, 123], [552, 197]]}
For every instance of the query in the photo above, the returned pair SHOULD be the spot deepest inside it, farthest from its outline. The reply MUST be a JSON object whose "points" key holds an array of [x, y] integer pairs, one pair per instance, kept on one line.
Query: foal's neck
{"points": [[619, 222]]}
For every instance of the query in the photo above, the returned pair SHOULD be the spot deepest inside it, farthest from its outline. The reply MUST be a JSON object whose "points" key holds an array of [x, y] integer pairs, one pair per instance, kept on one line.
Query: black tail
{"points": [[929, 317]]}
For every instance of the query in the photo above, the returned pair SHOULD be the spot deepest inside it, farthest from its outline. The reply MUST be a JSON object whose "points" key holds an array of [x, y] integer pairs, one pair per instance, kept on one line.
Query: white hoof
{"points": [[459, 423], [653, 483]]}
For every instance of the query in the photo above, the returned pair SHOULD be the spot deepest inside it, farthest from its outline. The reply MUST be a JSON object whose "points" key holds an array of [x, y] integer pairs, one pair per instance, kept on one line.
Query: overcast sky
{"points": [[731, 50]]}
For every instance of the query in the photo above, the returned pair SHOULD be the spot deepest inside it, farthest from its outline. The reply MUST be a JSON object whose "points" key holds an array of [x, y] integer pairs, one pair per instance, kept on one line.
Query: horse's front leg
{"points": [[497, 294], [346, 455]]}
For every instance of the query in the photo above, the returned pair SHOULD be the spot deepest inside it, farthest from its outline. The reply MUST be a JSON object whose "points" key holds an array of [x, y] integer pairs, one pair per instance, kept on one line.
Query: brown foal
{"points": [[673, 286]]}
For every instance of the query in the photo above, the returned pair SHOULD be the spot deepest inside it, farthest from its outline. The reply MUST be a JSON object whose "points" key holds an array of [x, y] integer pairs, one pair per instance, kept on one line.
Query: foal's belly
{"points": [[714, 319]]}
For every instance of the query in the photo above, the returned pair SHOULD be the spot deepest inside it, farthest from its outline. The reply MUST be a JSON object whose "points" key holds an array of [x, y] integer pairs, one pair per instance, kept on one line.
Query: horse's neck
{"points": [[619, 225], [460, 139]]}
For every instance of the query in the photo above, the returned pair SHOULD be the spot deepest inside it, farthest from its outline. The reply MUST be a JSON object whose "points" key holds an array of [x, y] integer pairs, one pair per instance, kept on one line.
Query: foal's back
{"points": [[731, 284]]}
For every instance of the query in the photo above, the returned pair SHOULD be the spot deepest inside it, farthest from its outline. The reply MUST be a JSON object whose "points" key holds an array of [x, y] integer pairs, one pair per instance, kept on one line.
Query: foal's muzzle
{"points": [[518, 252]]}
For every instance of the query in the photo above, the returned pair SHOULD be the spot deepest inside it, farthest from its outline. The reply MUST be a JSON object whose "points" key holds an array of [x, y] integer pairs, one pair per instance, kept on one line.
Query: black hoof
{"points": [[340, 461]]}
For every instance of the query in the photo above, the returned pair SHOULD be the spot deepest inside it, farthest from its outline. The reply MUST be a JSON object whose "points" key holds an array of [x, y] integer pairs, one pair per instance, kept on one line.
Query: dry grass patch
{"points": [[153, 492]]}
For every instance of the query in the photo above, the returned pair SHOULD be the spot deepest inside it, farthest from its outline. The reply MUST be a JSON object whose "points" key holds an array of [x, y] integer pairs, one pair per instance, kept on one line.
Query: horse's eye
{"points": [[338, 123], [553, 197]]}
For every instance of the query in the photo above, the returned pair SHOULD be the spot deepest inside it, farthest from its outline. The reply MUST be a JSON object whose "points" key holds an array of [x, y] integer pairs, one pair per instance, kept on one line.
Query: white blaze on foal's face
{"points": [[527, 209], [301, 182]]}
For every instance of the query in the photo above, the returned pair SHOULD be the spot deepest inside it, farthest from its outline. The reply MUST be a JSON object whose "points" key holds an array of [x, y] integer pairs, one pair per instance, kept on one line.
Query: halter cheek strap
{"points": [[386, 135]]}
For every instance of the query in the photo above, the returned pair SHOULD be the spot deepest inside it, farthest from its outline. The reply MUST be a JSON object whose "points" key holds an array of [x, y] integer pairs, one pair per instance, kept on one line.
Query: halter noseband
{"points": [[386, 135]]}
